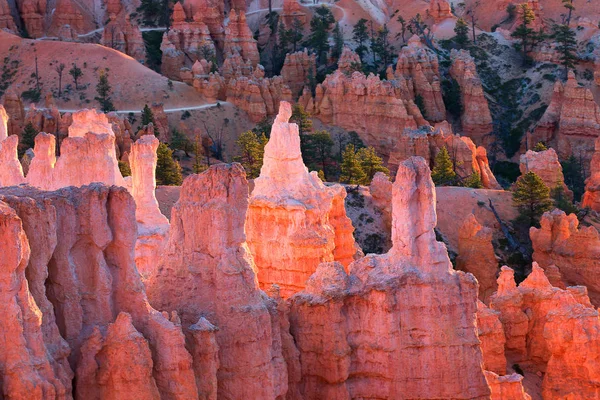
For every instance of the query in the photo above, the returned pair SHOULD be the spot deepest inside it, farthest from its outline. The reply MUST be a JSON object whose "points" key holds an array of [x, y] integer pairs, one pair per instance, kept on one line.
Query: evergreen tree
{"points": [[338, 41], [566, 39], [539, 146], [179, 141], [574, 179], [316, 151], [168, 171], [147, 116], [561, 200], [462, 33], [361, 35], [532, 198], [351, 169], [295, 33], [302, 118], [381, 46], [473, 181], [76, 73], [198, 166], [528, 36], [443, 169], [28, 137], [320, 24], [403, 26], [124, 168], [103, 89], [355, 140], [371, 163], [252, 148]]}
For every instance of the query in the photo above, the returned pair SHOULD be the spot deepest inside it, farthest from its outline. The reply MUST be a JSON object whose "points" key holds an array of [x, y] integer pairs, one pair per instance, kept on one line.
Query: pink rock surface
{"points": [[572, 249], [544, 164], [6, 19], [294, 221], [349, 61], [297, 69], [208, 271], [476, 118], [3, 123], [11, 172], [239, 38], [491, 335], [507, 387], [476, 255], [355, 330], [591, 197]]}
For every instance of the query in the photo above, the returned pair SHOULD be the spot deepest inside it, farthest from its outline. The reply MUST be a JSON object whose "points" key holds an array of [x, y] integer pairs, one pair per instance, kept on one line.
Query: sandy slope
{"points": [[133, 84]]}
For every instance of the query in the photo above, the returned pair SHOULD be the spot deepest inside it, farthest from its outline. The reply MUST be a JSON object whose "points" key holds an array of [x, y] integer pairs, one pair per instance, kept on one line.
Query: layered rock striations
{"points": [[294, 221], [394, 324], [123, 35], [571, 123], [207, 271], [82, 275], [239, 38], [476, 119], [574, 250]]}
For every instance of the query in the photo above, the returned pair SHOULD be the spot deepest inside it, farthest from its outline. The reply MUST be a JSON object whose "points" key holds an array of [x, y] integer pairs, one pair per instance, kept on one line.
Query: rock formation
{"points": [[574, 250], [82, 274], [491, 335], [394, 324], [292, 10], [67, 13], [349, 61], [591, 197], [239, 38], [298, 69], [310, 219], [419, 66], [11, 172], [506, 387], [123, 35], [440, 10], [32, 13], [571, 123], [152, 225], [476, 119], [16, 112], [545, 164], [6, 19], [476, 255], [207, 271], [259, 97], [3, 123], [557, 332]]}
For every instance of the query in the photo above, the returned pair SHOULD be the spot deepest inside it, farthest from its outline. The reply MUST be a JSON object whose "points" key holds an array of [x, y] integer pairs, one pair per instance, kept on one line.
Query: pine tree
{"points": [[403, 26], [532, 198], [76, 73], [360, 36], [462, 33], [443, 169], [539, 146], [124, 168], [561, 200], [198, 166], [147, 116], [528, 36], [371, 164], [168, 171], [566, 39], [28, 137], [320, 24], [382, 47], [351, 169], [302, 118], [338, 41], [574, 179], [473, 181], [252, 148], [180, 141], [316, 150], [103, 89]]}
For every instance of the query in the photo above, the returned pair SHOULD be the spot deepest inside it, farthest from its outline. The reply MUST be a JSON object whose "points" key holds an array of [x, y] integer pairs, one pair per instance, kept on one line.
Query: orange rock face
{"points": [[294, 221], [297, 69], [3, 123], [476, 118], [491, 335], [558, 330], [440, 10], [476, 255], [571, 123], [353, 337], [545, 164], [349, 61], [122, 35], [16, 112], [82, 274], [32, 13], [259, 97], [591, 197], [208, 271], [239, 38], [419, 66], [507, 387], [573, 249]]}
